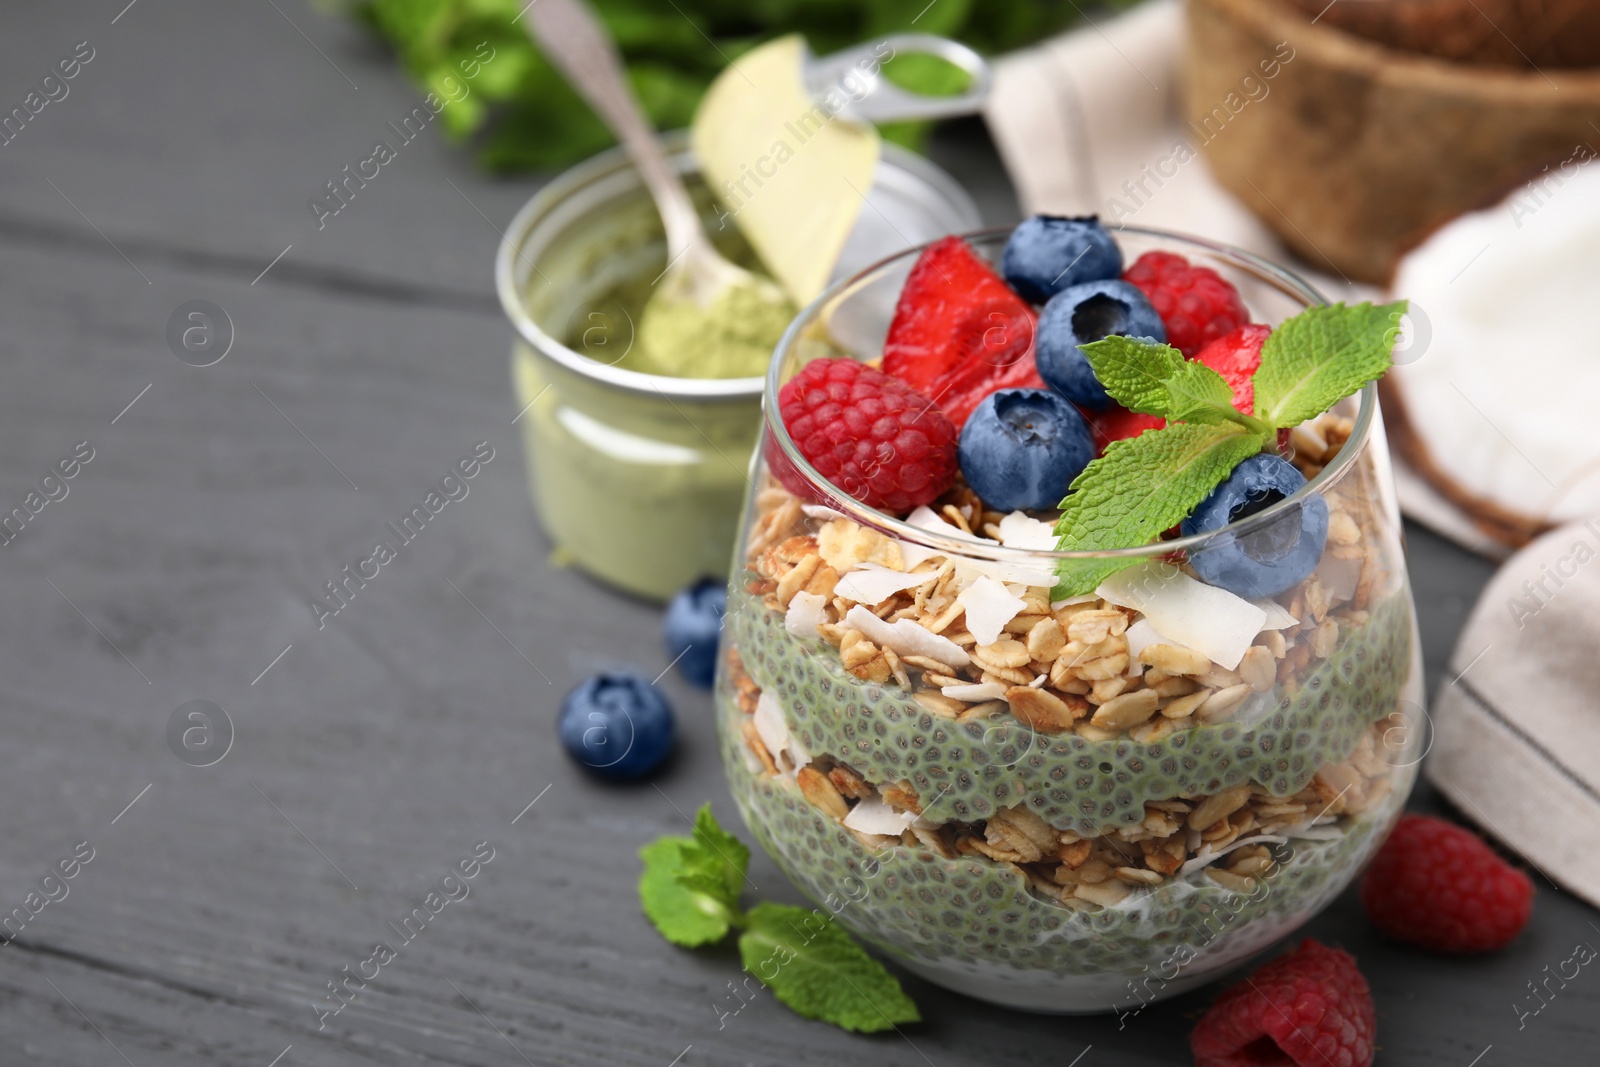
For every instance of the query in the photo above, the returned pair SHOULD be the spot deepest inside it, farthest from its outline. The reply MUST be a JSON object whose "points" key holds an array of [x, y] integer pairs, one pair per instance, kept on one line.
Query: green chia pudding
{"points": [[1059, 800]]}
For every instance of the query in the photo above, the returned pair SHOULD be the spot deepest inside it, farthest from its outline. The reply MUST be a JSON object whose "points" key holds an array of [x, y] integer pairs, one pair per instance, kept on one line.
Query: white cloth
{"points": [[1091, 122], [1516, 732]]}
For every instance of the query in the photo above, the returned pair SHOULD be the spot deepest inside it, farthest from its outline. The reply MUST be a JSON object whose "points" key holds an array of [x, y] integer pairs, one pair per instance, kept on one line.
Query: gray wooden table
{"points": [[370, 756]]}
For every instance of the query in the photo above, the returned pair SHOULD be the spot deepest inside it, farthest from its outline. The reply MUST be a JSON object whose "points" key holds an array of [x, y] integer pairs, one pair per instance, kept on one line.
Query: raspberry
{"points": [[1310, 1008], [1196, 304], [873, 436], [1438, 885]]}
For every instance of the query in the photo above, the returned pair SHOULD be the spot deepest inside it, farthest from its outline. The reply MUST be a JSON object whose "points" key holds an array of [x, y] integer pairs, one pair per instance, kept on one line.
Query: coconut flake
{"points": [[805, 616], [1021, 530], [1339, 576], [873, 816], [925, 518], [1081, 598], [1206, 859], [1141, 635], [968, 569], [1025, 574], [906, 637], [976, 693], [1315, 830], [873, 583], [989, 607], [774, 732], [820, 511], [1203, 617], [1278, 616]]}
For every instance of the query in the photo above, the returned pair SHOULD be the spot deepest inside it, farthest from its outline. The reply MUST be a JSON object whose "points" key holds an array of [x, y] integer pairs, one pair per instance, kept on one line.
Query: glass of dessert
{"points": [[1069, 656]]}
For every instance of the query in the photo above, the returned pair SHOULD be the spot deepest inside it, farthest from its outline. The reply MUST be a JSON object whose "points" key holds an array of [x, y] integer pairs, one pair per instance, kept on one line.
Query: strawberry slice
{"points": [[1117, 423], [1236, 355], [959, 333]]}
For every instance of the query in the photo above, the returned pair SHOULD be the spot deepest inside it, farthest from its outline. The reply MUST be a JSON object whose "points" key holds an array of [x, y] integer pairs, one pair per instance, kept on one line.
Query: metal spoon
{"points": [[573, 39]]}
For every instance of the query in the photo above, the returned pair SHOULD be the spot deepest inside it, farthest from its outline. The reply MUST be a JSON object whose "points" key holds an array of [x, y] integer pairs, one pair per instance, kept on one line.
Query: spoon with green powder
{"points": [[707, 317]]}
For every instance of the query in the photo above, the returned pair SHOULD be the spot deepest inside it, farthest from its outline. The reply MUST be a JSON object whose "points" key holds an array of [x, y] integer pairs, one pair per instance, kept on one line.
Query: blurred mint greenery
{"points": [[673, 48]]}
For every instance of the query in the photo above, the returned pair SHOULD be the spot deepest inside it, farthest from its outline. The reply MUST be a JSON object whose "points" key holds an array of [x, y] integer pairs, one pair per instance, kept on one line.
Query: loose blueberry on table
{"points": [[617, 725], [692, 627], [1064, 766]]}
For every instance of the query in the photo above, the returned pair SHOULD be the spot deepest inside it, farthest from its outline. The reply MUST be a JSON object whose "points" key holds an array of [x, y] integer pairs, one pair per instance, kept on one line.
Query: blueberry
{"points": [[1087, 313], [617, 725], [692, 625], [1022, 448], [1269, 559], [1047, 254]]}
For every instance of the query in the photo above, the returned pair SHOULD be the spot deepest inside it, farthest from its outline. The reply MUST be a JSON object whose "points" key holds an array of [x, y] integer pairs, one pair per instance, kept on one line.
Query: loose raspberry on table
{"points": [[873, 436], [1196, 304], [1310, 1008], [1438, 885]]}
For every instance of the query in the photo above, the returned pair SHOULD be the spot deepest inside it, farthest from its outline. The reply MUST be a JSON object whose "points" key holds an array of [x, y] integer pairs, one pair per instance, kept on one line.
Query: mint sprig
{"points": [[690, 885], [690, 892], [1147, 484]]}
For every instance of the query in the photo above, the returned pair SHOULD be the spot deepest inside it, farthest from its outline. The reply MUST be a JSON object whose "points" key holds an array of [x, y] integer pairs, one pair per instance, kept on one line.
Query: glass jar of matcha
{"points": [[639, 477]]}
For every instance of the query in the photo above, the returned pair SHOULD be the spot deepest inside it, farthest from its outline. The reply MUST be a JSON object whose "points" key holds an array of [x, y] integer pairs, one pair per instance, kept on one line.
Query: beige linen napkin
{"points": [[1091, 122], [1516, 729]]}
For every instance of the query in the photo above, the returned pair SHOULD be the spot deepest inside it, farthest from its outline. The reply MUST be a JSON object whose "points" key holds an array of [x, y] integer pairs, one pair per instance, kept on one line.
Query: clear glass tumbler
{"points": [[1066, 819]]}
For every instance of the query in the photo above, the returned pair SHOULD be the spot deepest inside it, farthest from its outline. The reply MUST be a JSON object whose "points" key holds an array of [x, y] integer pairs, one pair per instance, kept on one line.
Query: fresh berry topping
{"points": [[1022, 448], [959, 332], [1236, 355], [1197, 304], [1438, 885], [617, 725], [1268, 559], [1310, 1008], [1085, 313], [691, 629], [876, 438], [1117, 423], [1047, 254]]}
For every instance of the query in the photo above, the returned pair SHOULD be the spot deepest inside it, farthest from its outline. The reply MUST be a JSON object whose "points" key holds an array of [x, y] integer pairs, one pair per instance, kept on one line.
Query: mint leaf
{"points": [[815, 968], [1134, 371], [685, 914], [1200, 394], [1141, 487], [1155, 379], [721, 851], [1321, 356], [690, 886]]}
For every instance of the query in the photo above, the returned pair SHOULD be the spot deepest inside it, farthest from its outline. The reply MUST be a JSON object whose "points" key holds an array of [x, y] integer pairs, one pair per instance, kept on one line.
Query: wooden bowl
{"points": [[1357, 150], [1527, 34]]}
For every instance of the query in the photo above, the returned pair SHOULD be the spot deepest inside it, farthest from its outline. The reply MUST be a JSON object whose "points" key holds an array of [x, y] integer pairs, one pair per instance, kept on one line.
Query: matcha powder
{"points": [[732, 338]]}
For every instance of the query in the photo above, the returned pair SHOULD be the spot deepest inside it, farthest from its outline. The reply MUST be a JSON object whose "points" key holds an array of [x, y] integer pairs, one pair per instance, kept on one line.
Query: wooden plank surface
{"points": [[375, 753]]}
